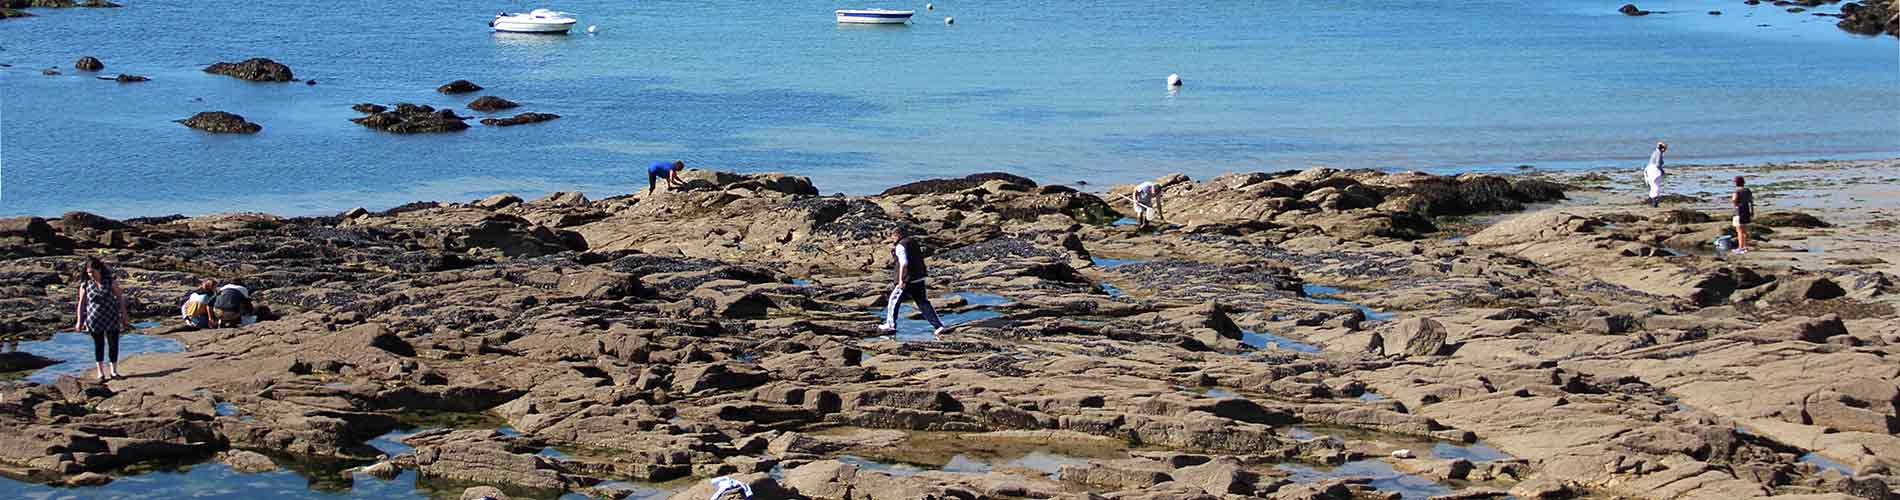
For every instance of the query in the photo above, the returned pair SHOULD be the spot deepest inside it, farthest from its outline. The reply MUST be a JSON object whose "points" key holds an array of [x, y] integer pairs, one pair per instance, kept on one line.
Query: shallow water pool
{"points": [[74, 349]]}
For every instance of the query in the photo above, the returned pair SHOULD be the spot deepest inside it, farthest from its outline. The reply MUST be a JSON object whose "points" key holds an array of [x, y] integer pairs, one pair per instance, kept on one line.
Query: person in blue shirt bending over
{"points": [[664, 170]]}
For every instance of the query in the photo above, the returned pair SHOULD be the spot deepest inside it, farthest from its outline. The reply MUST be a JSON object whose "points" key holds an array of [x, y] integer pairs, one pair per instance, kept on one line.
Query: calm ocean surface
{"points": [[1058, 91]]}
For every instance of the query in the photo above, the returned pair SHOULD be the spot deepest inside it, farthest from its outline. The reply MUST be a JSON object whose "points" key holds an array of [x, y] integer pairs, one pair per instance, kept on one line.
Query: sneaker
{"points": [[1741, 250], [940, 330], [887, 327]]}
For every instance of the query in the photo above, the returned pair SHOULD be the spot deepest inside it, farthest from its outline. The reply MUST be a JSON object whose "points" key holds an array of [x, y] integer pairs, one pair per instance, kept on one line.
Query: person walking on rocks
{"points": [[101, 314], [664, 170], [911, 272], [1744, 202], [1147, 203], [232, 303], [1653, 174], [197, 307]]}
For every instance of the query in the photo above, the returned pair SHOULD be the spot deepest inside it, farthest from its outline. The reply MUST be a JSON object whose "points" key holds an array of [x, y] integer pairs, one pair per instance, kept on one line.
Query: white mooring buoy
{"points": [[930, 7], [592, 28], [949, 20], [1174, 80]]}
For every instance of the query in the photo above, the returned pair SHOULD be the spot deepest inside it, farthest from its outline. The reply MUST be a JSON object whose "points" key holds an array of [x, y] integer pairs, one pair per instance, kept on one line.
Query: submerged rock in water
{"points": [[369, 108], [491, 103], [1630, 9], [221, 122], [89, 63], [409, 118], [458, 87], [125, 78], [256, 69], [520, 119]]}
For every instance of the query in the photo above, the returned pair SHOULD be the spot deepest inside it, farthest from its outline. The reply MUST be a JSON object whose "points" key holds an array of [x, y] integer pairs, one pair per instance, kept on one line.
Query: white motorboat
{"points": [[534, 21], [874, 16]]}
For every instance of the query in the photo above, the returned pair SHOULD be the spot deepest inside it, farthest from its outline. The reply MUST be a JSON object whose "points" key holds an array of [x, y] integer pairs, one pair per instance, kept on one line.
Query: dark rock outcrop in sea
{"points": [[727, 328], [1871, 18], [520, 119], [56, 4], [125, 78], [221, 122], [255, 69], [89, 63], [458, 87], [409, 118], [1630, 9], [491, 103]]}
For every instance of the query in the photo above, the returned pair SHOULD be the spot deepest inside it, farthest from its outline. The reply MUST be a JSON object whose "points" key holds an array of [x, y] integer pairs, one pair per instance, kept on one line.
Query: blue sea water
{"points": [[1059, 91]]}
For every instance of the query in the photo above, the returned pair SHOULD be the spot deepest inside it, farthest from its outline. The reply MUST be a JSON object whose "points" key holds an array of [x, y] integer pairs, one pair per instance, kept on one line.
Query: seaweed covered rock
{"points": [[458, 87], [946, 186], [220, 122], [256, 69], [520, 119], [369, 108], [409, 118], [89, 63], [491, 103]]}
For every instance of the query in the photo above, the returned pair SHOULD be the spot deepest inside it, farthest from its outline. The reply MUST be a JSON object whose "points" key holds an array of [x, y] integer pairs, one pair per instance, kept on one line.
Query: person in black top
{"points": [[233, 301], [1744, 201], [102, 315], [910, 282]]}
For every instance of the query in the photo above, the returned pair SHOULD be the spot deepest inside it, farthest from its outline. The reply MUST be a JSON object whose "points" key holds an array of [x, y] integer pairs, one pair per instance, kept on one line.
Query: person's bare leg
{"points": [[1741, 236]]}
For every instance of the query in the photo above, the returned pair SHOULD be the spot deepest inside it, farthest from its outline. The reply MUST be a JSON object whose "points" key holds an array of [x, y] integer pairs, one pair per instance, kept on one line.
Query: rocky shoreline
{"points": [[1292, 323]]}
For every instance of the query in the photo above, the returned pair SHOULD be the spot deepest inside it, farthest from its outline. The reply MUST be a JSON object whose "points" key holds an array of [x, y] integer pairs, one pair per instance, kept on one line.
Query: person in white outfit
{"points": [[1654, 173], [1147, 202]]}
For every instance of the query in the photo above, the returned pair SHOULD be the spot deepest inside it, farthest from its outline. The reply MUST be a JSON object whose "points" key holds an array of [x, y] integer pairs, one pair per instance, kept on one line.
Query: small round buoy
{"points": [[930, 7], [1174, 80], [592, 28], [949, 20]]}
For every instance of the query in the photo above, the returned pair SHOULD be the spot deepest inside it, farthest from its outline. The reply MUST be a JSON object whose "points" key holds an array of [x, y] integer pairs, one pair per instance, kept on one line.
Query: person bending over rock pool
{"points": [[101, 314], [197, 307], [1744, 201], [664, 170], [1653, 174], [1147, 203], [232, 302], [911, 272]]}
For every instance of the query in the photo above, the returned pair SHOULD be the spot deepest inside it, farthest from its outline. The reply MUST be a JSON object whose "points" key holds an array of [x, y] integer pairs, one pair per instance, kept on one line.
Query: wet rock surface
{"points": [[726, 329]]}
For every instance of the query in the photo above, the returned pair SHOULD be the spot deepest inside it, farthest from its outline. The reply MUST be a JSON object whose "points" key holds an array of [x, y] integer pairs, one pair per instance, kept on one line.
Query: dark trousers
{"points": [[918, 296], [104, 343]]}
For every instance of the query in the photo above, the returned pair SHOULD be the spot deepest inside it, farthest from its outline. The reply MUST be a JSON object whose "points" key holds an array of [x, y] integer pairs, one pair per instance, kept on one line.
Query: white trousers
{"points": [[1654, 178]]}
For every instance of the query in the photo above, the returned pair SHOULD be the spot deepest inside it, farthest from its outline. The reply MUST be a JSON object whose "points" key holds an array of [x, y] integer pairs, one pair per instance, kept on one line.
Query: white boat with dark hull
{"points": [[874, 16], [534, 21]]}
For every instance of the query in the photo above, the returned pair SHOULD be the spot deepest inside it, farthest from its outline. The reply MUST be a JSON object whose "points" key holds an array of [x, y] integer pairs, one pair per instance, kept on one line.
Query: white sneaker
{"points": [[1741, 250], [939, 331], [887, 328]]}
